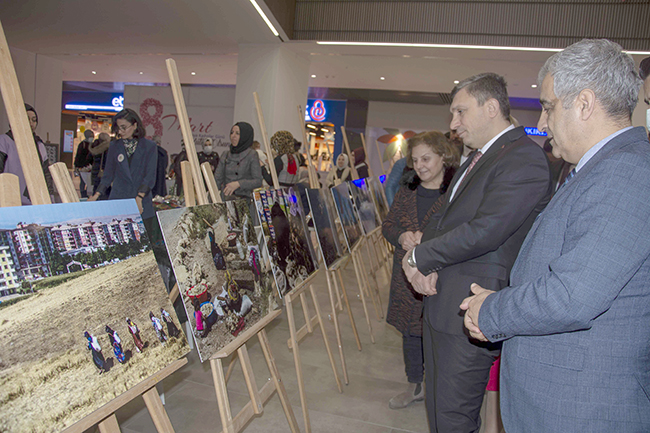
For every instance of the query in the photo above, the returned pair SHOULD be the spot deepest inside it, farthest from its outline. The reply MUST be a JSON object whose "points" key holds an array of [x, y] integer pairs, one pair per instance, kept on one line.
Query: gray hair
{"points": [[486, 86], [599, 65]]}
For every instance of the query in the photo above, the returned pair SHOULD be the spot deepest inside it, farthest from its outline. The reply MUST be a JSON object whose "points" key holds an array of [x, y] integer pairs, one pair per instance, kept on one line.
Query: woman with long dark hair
{"points": [[434, 161]]}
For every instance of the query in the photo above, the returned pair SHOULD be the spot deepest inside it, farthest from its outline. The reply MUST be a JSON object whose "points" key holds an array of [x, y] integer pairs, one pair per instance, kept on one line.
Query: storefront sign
{"points": [[535, 131]]}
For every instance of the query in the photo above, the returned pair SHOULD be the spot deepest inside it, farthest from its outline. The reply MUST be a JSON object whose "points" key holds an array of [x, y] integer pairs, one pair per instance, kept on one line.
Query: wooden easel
{"points": [[194, 191], [298, 292], [313, 177]]}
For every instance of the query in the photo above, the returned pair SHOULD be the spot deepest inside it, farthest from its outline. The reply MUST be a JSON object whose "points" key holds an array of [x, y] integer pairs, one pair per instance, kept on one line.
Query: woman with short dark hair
{"points": [[130, 165]]}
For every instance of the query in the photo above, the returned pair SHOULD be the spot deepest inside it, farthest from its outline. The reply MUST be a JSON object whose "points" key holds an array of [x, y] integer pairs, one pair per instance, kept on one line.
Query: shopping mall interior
{"points": [[379, 68]]}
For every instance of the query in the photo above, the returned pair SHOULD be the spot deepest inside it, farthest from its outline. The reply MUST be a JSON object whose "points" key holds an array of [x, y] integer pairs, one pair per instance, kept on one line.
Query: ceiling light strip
{"points": [[266, 20], [468, 47]]}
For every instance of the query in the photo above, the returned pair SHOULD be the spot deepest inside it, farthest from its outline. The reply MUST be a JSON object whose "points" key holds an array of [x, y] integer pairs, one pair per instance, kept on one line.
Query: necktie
{"points": [[475, 159], [568, 177]]}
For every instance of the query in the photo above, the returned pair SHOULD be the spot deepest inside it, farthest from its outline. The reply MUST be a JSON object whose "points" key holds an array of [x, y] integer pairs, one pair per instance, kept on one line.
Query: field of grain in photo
{"points": [[47, 377]]}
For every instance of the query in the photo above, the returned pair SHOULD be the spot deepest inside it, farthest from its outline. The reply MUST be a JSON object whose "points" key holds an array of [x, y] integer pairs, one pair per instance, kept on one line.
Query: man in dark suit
{"points": [[574, 323], [490, 205]]}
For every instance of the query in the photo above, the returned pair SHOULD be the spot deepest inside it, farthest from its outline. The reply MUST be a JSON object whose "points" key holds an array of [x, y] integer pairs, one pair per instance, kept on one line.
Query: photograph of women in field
{"points": [[224, 284], [363, 204], [324, 224], [285, 235], [75, 275], [347, 216]]}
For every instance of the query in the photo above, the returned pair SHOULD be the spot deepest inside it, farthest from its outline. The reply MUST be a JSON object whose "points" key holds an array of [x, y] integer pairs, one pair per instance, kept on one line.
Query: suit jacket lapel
{"points": [[489, 156], [124, 163]]}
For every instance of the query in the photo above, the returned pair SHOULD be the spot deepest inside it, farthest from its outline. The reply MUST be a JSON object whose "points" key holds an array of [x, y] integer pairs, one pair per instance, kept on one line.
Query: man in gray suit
{"points": [[491, 203], [574, 321]]}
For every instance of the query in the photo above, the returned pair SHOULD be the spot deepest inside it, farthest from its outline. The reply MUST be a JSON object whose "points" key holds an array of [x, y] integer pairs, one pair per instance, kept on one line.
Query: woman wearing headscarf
{"points": [[135, 333], [10, 162], [360, 162], [239, 172], [131, 167], [340, 173], [95, 348], [286, 161]]}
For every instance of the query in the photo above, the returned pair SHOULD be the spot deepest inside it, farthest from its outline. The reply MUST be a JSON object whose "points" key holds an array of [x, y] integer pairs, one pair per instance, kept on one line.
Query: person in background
{"points": [[160, 187], [176, 169], [393, 182], [286, 160], [434, 160], [99, 150], [209, 155], [10, 162], [172, 330], [359, 156], [340, 173], [297, 145], [83, 161], [239, 171], [644, 73], [131, 168]]}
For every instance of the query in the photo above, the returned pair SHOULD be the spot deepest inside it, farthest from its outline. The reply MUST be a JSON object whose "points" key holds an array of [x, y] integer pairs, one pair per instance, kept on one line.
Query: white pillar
{"points": [[41, 84], [281, 79]]}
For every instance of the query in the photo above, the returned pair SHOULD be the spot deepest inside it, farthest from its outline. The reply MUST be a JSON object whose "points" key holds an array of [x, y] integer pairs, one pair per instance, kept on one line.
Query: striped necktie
{"points": [[475, 159], [568, 178]]}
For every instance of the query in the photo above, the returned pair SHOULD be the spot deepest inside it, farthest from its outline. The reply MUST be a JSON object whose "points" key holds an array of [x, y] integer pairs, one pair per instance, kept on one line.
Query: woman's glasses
{"points": [[123, 128]]}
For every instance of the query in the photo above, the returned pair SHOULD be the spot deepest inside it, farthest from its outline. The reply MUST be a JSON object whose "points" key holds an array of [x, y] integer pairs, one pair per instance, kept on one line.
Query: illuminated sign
{"points": [[535, 131], [93, 101], [317, 113]]}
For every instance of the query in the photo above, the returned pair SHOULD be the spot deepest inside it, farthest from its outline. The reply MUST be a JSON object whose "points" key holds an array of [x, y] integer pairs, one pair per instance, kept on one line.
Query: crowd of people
{"points": [[516, 267]]}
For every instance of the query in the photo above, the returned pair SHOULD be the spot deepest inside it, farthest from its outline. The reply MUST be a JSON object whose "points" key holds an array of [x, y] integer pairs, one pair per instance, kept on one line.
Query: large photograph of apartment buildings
{"points": [[31, 251]]}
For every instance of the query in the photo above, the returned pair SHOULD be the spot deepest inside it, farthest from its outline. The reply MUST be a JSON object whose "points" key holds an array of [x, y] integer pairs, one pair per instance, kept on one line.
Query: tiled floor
{"points": [[375, 374]]}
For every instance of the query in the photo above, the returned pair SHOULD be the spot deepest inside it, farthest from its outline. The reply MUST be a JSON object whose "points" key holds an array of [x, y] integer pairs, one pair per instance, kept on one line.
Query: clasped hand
{"points": [[425, 285], [472, 306]]}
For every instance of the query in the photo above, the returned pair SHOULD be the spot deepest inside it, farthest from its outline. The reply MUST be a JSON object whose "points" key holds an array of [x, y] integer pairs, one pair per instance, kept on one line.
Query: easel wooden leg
{"points": [[337, 329], [339, 304], [249, 376], [231, 366], [109, 425], [157, 411], [325, 340], [279, 386], [363, 298], [362, 268], [297, 362], [347, 305], [305, 310], [222, 395]]}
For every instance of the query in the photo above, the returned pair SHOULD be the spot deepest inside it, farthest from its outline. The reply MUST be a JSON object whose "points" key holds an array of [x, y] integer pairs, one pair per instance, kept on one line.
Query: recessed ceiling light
{"points": [[193, 73], [382, 78], [313, 76], [94, 72], [141, 72], [406, 56], [534, 86], [456, 81]]}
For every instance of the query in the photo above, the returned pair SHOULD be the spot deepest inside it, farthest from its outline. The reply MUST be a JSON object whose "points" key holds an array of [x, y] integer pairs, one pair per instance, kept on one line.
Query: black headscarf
{"points": [[36, 137], [245, 138]]}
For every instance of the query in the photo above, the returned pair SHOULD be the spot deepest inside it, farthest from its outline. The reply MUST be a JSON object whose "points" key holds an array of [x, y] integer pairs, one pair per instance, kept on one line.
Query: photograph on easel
{"points": [[324, 223], [225, 285], [286, 237], [347, 217], [84, 314], [363, 204], [380, 202]]}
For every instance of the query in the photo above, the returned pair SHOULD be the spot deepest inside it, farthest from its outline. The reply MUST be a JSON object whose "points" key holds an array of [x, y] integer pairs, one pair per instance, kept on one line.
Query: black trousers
{"points": [[457, 372]]}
